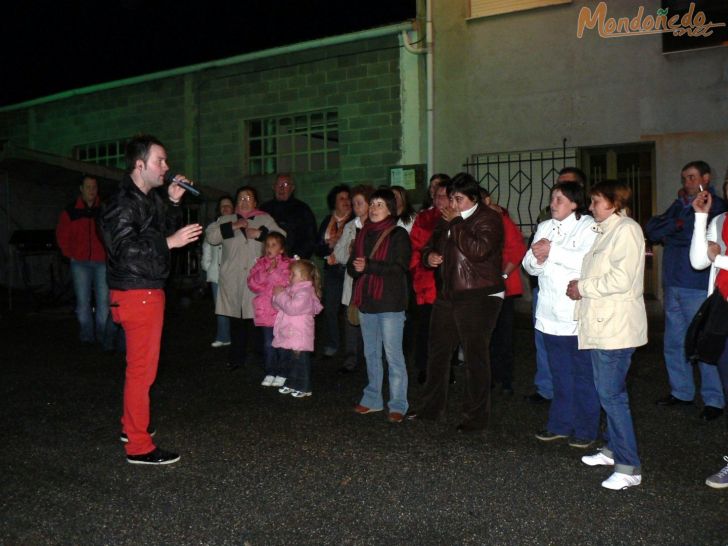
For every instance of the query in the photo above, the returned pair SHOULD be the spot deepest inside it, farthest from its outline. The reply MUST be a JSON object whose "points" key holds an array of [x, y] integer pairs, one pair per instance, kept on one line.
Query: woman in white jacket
{"points": [[613, 322], [211, 258], [708, 249], [352, 334], [555, 258]]}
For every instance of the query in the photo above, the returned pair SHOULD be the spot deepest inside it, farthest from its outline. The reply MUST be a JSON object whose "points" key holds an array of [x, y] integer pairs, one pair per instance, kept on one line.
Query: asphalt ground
{"points": [[260, 468]]}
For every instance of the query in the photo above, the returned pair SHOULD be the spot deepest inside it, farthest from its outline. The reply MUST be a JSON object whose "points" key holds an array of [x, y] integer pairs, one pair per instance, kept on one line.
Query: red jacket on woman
{"points": [[514, 249], [423, 277]]}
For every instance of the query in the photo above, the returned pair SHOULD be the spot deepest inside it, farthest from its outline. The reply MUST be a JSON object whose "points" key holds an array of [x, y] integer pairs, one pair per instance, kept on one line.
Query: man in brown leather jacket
{"points": [[466, 248]]}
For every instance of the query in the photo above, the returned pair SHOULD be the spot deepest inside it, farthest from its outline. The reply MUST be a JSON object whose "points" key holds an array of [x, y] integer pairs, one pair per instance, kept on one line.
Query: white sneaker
{"points": [[268, 381], [618, 481], [278, 381], [597, 459], [217, 344], [285, 390], [300, 394]]}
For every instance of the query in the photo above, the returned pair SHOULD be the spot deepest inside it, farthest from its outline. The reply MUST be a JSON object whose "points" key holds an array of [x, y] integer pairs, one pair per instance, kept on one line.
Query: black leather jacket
{"points": [[471, 251], [134, 228]]}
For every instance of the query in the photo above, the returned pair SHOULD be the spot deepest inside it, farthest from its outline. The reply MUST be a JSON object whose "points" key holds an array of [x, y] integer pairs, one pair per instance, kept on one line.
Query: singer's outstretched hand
{"points": [[183, 236]]}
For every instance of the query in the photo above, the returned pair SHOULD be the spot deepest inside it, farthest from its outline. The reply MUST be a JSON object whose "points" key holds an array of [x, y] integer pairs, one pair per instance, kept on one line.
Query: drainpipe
{"points": [[430, 87]]}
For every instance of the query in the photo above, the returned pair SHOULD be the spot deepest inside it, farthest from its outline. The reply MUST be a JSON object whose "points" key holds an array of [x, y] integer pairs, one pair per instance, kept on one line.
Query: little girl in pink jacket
{"points": [[293, 332], [269, 271]]}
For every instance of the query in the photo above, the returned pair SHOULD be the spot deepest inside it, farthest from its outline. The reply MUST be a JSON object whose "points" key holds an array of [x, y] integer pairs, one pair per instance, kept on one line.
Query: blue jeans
{"points": [[610, 374], [542, 379], [384, 330], [90, 277], [271, 356], [297, 365], [681, 305], [574, 408], [223, 322]]}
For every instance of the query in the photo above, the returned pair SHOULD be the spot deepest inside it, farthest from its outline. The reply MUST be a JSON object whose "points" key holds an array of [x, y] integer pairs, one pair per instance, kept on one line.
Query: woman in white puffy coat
{"points": [[555, 258]]}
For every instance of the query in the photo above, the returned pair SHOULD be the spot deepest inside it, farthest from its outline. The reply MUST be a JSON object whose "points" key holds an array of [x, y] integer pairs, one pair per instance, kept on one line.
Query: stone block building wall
{"points": [[201, 115]]}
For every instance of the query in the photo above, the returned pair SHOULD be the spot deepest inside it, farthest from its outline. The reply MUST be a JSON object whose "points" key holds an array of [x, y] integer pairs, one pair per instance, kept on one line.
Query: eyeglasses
{"points": [[245, 198], [284, 184]]}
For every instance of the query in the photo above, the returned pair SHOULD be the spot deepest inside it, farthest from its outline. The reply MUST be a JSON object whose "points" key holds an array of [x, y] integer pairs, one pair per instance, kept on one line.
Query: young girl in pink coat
{"points": [[269, 271], [293, 332]]}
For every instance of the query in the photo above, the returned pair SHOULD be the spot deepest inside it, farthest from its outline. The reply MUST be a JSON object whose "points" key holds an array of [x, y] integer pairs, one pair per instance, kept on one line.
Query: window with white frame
{"points": [[108, 152], [293, 143], [485, 8]]}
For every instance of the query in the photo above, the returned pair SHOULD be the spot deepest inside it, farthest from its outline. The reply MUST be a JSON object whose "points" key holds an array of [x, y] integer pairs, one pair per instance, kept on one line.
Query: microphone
{"points": [[169, 178]]}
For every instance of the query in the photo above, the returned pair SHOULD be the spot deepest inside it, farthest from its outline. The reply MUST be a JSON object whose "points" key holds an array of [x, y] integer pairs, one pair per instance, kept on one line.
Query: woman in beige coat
{"points": [[612, 322], [241, 235]]}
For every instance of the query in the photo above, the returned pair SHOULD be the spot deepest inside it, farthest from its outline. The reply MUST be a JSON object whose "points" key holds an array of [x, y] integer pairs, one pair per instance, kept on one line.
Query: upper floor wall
{"points": [[524, 80]]}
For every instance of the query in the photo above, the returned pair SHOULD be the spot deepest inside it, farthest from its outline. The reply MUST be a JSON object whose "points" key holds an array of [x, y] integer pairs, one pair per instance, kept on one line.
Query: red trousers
{"points": [[141, 314]]}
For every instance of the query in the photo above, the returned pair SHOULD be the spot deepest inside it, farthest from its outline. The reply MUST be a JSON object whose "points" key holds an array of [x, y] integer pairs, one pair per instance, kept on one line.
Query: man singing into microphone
{"points": [[139, 229]]}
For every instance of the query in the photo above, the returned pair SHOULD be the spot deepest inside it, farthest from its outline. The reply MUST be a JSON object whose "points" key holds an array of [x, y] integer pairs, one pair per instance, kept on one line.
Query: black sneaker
{"points": [[581, 443], [124, 438], [546, 436], [158, 456]]}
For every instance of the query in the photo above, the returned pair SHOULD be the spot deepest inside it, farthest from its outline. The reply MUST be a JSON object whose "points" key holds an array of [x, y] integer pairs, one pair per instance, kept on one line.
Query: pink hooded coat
{"points": [[261, 281], [294, 326]]}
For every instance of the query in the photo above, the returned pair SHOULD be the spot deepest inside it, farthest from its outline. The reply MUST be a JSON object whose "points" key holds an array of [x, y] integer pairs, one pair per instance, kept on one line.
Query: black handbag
{"points": [[706, 337]]}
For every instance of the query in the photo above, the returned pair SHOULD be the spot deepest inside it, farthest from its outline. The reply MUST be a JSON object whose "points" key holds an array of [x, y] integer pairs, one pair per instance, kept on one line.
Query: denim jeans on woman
{"points": [[384, 330], [610, 375], [574, 407], [223, 322]]}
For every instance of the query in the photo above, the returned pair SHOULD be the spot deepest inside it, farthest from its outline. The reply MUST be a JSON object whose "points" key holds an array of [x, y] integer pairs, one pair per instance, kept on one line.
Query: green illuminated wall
{"points": [[200, 115]]}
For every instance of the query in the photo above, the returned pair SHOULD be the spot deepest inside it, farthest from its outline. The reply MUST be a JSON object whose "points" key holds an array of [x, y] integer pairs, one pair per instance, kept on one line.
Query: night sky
{"points": [[73, 44]]}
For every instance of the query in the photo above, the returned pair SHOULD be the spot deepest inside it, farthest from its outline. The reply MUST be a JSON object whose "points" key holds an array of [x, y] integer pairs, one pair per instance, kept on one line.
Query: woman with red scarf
{"points": [[378, 266], [708, 248]]}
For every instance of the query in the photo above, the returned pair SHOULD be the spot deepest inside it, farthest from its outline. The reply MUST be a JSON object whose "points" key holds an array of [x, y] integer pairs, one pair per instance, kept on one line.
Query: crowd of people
{"points": [[442, 281]]}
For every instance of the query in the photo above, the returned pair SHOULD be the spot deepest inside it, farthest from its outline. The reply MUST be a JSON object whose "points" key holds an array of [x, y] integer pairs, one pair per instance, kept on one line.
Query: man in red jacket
{"points": [[79, 242]]}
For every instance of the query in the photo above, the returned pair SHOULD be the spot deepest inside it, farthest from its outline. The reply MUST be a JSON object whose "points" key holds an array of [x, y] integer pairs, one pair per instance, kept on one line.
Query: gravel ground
{"points": [[261, 468]]}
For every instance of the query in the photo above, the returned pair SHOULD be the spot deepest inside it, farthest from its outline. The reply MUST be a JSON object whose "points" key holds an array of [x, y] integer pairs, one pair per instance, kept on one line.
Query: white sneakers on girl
{"points": [[285, 390], [278, 381], [268, 381], [619, 481], [300, 394]]}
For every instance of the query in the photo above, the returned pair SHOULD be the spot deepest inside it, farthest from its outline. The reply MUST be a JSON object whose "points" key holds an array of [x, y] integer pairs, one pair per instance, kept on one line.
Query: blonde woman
{"points": [[612, 322]]}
